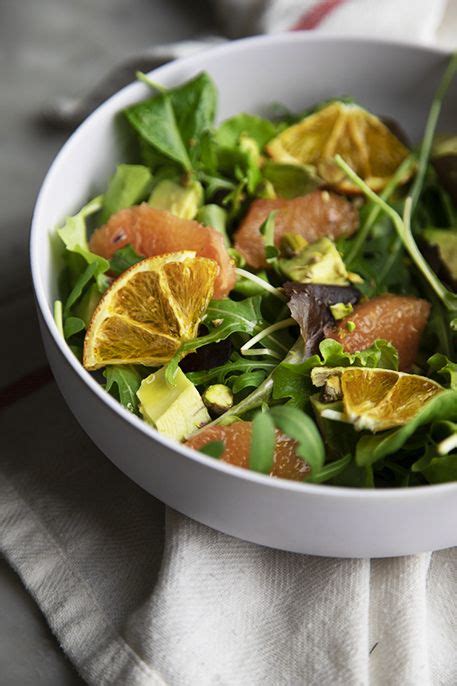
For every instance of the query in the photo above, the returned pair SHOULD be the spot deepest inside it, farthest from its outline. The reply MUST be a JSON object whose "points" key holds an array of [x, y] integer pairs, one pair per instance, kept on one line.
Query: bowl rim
{"points": [[137, 423]]}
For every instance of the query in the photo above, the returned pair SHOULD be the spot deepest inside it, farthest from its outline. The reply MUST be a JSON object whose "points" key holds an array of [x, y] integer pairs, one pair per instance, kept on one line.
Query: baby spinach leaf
{"points": [[173, 122], [216, 217], [372, 448], [123, 381], [301, 428], [441, 469], [194, 104], [213, 449], [260, 130], [332, 470], [130, 184], [155, 121], [291, 180], [73, 325], [263, 443], [123, 259]]}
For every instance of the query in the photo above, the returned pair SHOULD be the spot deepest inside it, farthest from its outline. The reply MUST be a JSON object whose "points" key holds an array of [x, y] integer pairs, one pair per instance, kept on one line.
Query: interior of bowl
{"points": [[295, 70]]}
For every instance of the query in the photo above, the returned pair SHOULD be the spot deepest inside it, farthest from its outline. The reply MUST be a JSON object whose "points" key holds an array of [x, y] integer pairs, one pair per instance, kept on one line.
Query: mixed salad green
{"points": [[322, 269]]}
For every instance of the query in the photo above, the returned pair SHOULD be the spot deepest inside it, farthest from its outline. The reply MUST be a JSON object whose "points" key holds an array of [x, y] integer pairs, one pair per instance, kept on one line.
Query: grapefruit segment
{"points": [[154, 232], [399, 319], [312, 216], [237, 441]]}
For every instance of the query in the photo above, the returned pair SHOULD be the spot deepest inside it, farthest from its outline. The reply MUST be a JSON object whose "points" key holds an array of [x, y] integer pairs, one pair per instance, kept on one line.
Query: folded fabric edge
{"points": [[98, 652]]}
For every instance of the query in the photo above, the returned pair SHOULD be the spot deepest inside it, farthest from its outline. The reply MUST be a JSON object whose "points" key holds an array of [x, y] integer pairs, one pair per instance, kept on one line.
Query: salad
{"points": [[276, 292]]}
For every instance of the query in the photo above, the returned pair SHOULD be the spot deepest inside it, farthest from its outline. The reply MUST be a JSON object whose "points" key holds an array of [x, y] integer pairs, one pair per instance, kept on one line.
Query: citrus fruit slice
{"points": [[379, 399], [360, 137], [150, 310], [156, 232], [399, 319], [237, 442], [313, 216]]}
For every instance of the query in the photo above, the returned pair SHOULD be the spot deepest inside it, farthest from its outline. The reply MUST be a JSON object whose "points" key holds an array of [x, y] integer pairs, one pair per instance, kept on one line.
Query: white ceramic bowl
{"points": [[296, 69]]}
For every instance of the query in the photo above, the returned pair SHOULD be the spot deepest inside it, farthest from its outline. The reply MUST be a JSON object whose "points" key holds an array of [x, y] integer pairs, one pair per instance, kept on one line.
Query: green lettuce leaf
{"points": [[74, 236]]}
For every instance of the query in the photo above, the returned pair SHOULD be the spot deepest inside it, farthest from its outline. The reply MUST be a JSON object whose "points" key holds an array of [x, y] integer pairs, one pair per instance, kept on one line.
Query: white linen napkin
{"points": [[139, 597]]}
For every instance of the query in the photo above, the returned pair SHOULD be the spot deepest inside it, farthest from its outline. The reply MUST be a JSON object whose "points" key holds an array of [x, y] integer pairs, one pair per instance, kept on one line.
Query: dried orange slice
{"points": [[378, 399], [150, 310], [360, 137]]}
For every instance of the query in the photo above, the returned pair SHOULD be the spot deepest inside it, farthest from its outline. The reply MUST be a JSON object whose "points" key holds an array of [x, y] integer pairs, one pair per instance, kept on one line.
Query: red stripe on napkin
{"points": [[316, 15]]}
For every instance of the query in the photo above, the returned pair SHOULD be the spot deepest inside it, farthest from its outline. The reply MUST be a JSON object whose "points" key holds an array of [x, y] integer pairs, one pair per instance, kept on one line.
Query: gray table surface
{"points": [[50, 48]]}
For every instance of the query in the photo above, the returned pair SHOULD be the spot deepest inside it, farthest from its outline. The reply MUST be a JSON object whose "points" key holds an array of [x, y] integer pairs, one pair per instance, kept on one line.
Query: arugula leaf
{"points": [[372, 448], [301, 428], [443, 365], [123, 381], [123, 259], [128, 186], [223, 318], [85, 277], [236, 368], [213, 449], [247, 380], [260, 130], [263, 444]]}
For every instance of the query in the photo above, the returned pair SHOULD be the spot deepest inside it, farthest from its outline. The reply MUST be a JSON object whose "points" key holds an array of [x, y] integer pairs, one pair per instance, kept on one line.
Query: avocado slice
{"points": [[182, 201], [175, 411], [319, 262]]}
